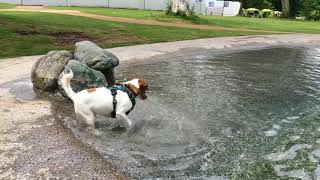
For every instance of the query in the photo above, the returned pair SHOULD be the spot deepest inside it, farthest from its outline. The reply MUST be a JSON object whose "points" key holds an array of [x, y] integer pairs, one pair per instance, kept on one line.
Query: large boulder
{"points": [[96, 58], [84, 77], [45, 72]]}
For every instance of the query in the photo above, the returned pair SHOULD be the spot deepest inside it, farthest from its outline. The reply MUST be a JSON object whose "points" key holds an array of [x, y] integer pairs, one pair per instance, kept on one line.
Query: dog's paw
{"points": [[119, 129], [96, 132], [93, 131], [130, 129]]}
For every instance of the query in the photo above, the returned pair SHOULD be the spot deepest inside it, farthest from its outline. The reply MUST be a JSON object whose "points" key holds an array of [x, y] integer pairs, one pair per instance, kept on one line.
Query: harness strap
{"points": [[114, 102], [123, 88]]}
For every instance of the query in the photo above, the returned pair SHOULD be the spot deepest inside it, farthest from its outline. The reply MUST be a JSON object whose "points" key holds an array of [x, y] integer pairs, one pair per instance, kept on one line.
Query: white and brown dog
{"points": [[99, 101]]}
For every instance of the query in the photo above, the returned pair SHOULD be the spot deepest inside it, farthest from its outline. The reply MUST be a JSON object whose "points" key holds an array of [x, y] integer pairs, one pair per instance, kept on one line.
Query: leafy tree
{"points": [[259, 4], [294, 10], [291, 8], [311, 9], [296, 6]]}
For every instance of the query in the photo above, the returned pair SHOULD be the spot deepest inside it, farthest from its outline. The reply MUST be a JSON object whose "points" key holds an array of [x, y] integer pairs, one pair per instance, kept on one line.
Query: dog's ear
{"points": [[143, 87], [141, 83], [133, 88]]}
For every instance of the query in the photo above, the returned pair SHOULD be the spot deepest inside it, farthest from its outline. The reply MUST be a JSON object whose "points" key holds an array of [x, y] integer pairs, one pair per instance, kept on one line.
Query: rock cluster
{"points": [[92, 66]]}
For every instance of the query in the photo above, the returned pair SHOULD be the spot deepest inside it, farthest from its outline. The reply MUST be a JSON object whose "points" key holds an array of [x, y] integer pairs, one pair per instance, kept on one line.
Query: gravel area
{"points": [[33, 145]]}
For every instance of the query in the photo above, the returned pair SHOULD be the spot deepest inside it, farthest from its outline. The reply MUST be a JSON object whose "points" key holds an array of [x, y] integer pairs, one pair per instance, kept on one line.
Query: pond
{"points": [[240, 114]]}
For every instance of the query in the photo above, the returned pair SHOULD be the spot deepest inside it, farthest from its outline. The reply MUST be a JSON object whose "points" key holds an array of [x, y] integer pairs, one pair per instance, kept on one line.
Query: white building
{"points": [[206, 7], [217, 7]]}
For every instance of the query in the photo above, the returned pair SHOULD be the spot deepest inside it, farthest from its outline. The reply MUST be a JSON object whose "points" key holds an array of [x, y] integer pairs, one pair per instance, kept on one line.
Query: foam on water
{"points": [[289, 154], [316, 152], [277, 127], [300, 173], [293, 118], [312, 158], [294, 138], [271, 133], [317, 173]]}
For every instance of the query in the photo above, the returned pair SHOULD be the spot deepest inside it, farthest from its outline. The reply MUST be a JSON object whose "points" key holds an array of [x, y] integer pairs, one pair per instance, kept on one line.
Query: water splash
{"points": [[209, 114]]}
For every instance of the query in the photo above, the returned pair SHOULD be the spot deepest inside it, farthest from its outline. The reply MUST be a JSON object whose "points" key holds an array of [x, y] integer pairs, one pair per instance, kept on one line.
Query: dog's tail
{"points": [[65, 83]]}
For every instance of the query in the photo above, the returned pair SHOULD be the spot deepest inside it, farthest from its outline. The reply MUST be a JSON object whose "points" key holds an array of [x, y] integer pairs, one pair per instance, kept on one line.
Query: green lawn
{"points": [[6, 6], [29, 33], [128, 13], [283, 25]]}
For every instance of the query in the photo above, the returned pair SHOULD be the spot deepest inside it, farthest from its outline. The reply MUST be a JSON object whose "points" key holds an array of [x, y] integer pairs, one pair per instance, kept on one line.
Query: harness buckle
{"points": [[113, 92], [114, 102]]}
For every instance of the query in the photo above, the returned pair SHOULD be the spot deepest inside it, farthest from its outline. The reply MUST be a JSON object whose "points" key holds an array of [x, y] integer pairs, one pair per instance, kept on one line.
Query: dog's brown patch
{"points": [[141, 83], [133, 89], [91, 90]]}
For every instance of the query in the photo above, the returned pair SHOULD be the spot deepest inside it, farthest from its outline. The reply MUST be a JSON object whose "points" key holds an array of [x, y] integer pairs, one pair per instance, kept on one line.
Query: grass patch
{"points": [[29, 33], [6, 6], [284, 25], [128, 13]]}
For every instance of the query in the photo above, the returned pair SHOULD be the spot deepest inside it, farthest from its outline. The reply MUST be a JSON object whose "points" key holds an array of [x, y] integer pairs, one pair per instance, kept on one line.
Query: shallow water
{"points": [[218, 116]]}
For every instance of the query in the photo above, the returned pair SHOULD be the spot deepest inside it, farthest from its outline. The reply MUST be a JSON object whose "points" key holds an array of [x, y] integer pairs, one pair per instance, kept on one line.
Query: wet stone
{"points": [[84, 77], [46, 70], [97, 58]]}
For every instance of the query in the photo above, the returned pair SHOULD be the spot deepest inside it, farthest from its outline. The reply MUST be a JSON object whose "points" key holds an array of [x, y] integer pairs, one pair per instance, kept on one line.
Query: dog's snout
{"points": [[144, 97]]}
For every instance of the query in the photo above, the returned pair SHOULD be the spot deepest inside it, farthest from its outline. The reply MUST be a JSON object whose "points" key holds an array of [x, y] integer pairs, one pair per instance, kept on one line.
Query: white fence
{"points": [[200, 6], [137, 4]]}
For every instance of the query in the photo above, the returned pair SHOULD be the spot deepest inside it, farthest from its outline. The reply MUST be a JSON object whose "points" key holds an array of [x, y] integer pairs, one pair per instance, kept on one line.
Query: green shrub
{"points": [[311, 9], [169, 8], [260, 4]]}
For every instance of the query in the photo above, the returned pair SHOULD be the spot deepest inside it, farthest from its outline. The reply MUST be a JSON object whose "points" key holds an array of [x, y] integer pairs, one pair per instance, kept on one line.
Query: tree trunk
{"points": [[180, 5], [285, 8]]}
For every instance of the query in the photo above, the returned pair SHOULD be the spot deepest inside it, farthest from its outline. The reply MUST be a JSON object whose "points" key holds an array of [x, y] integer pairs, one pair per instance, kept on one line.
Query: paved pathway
{"points": [[131, 20]]}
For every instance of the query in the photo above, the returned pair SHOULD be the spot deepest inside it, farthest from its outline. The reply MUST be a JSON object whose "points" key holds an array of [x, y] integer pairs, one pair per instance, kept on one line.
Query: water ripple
{"points": [[209, 115]]}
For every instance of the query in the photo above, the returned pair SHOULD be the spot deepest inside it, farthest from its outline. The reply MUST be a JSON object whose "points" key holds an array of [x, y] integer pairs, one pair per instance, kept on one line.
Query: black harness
{"points": [[121, 87]]}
